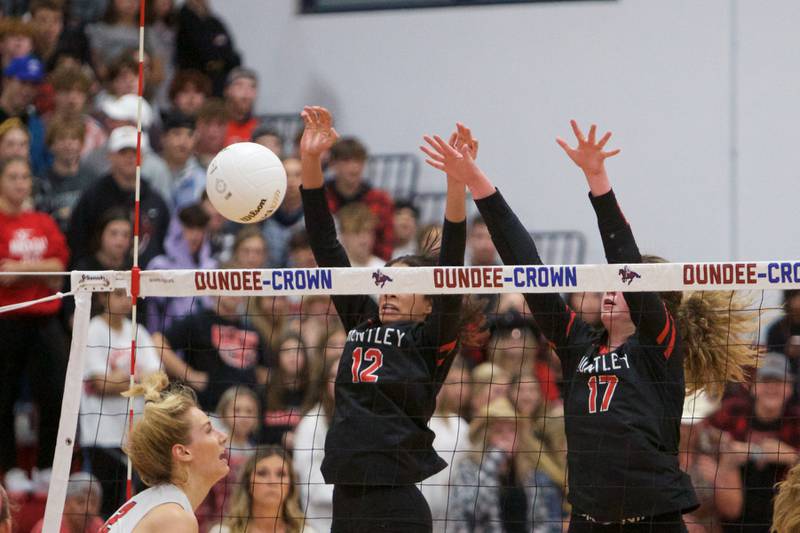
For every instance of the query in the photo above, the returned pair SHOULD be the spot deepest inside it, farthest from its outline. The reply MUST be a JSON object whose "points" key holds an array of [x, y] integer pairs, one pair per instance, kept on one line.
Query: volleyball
{"points": [[246, 182]]}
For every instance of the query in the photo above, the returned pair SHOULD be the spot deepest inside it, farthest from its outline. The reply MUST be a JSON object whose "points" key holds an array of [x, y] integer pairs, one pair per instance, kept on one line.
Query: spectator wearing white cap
{"points": [[117, 189], [123, 111], [21, 80], [81, 507]]}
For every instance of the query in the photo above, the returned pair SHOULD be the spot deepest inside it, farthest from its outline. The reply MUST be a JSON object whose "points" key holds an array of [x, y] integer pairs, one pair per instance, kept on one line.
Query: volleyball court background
{"points": [[696, 99]]}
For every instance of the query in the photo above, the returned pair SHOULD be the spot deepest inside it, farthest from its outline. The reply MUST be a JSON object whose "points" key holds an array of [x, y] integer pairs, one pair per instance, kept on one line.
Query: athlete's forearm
{"points": [[516, 247], [646, 308]]}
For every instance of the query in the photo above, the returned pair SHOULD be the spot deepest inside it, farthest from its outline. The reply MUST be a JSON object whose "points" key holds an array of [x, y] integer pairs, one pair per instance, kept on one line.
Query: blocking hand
{"points": [[589, 154], [319, 134]]}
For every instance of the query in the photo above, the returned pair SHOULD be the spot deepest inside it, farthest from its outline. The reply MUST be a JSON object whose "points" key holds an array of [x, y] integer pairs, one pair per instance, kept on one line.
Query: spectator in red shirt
{"points": [[241, 89], [33, 340], [347, 162], [770, 425]]}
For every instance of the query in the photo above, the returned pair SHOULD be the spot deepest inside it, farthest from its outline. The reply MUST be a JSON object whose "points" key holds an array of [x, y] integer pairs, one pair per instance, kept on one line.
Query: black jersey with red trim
{"points": [[389, 374], [622, 407]]}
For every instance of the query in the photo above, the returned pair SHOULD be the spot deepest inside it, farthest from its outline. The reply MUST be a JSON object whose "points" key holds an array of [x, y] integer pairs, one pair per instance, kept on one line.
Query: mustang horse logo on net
{"points": [[380, 279], [628, 275]]}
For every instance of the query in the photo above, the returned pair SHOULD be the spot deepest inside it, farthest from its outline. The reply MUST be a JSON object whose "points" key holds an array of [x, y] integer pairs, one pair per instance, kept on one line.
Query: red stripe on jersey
{"points": [[663, 335], [447, 347], [668, 351], [571, 320], [439, 362]]}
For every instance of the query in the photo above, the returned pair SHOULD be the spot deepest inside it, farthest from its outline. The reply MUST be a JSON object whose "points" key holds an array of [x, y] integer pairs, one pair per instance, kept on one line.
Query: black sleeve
{"points": [[329, 252], [443, 324], [516, 247], [179, 336], [80, 230], [648, 312]]}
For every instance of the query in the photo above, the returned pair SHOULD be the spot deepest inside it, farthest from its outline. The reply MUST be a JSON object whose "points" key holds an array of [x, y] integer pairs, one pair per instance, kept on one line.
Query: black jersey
{"points": [[622, 408], [389, 374]]}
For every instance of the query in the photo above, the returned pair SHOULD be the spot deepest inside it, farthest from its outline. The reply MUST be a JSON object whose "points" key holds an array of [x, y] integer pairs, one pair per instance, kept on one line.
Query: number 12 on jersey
{"points": [[610, 380], [372, 355]]}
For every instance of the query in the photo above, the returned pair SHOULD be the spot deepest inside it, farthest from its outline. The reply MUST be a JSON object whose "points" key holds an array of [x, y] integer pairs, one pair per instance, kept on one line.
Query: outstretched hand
{"points": [[319, 134], [590, 157], [456, 158]]}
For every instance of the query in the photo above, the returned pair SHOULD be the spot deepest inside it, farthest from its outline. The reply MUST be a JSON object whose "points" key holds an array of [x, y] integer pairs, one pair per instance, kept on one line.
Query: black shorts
{"points": [[664, 523], [363, 508]]}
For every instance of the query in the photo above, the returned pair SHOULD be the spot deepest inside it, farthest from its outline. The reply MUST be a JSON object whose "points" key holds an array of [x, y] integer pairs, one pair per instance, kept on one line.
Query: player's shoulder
{"points": [[170, 517]]}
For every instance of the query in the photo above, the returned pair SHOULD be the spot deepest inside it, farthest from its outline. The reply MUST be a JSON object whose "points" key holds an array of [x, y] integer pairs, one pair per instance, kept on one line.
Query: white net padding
{"points": [[453, 280], [728, 276]]}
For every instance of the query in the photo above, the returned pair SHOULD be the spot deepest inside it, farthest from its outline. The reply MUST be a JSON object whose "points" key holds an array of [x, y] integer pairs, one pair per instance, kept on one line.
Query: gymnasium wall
{"points": [[658, 73]]}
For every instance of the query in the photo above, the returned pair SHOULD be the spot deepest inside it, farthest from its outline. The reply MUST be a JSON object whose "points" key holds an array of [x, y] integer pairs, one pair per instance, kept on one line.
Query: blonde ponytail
{"points": [[151, 388], [786, 515], [716, 328], [163, 424]]}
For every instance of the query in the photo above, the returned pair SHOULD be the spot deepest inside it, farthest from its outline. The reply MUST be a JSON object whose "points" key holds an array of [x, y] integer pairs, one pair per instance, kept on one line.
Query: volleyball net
{"points": [[261, 348]]}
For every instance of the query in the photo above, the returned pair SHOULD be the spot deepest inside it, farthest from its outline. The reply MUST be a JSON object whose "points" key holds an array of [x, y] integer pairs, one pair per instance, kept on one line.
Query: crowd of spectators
{"points": [[265, 366]]}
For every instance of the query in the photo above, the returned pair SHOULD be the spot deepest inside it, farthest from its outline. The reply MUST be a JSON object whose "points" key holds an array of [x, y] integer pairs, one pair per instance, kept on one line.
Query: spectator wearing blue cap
{"points": [[21, 79]]}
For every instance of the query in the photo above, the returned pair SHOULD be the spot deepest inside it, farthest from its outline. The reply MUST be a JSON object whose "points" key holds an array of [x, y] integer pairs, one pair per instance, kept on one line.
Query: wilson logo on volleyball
{"points": [[740, 273]]}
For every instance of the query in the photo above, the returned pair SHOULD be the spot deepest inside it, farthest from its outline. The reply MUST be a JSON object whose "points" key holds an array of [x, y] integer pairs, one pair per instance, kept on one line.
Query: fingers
{"points": [[604, 140], [464, 132], [317, 117], [326, 120], [306, 116], [446, 149], [431, 154], [453, 139], [428, 139], [563, 144], [612, 153], [592, 132], [577, 131], [435, 164]]}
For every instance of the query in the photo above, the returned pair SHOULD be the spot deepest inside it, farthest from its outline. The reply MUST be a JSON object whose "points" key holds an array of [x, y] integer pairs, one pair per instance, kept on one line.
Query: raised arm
{"points": [[512, 240], [318, 136], [648, 312], [443, 325]]}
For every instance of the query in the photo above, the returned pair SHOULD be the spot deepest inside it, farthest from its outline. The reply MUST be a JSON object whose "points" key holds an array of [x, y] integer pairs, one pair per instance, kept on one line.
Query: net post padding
{"points": [[70, 408]]}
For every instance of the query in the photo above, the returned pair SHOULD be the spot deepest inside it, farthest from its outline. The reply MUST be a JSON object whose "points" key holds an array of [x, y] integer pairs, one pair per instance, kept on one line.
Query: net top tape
{"points": [[770, 275]]}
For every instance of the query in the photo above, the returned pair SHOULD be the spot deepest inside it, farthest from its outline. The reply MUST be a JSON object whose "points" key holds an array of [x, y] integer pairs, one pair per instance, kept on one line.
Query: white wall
{"points": [[656, 72]]}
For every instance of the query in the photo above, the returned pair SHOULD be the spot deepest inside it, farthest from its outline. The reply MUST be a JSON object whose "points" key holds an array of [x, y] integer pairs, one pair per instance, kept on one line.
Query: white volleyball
{"points": [[246, 182]]}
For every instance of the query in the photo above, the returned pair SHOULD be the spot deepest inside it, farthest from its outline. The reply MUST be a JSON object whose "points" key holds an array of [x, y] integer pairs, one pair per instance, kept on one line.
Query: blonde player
{"points": [[786, 514], [177, 453]]}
